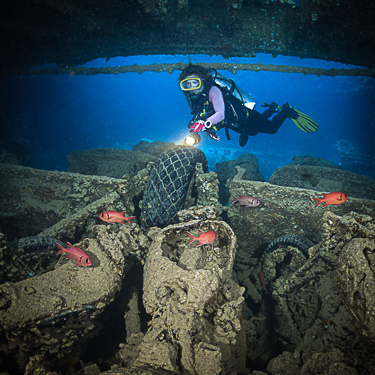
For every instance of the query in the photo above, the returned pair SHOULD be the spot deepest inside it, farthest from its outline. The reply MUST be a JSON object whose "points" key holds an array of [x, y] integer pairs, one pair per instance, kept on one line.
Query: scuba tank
{"points": [[244, 97]]}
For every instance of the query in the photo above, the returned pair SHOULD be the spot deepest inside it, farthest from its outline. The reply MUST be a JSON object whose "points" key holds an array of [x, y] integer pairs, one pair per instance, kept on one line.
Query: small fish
{"points": [[334, 198], [204, 238], [247, 201], [115, 217], [79, 256], [261, 278]]}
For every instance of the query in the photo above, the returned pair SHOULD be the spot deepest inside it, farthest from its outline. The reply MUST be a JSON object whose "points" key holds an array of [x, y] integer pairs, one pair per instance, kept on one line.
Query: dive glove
{"points": [[200, 126], [204, 126]]}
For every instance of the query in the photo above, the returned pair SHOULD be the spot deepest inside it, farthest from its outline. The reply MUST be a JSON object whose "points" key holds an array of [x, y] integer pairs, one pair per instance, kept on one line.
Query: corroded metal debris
{"points": [[48, 313], [190, 296]]}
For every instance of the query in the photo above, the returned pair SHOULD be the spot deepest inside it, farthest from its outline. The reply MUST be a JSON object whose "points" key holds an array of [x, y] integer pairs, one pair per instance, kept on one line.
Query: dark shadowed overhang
{"points": [[70, 32]]}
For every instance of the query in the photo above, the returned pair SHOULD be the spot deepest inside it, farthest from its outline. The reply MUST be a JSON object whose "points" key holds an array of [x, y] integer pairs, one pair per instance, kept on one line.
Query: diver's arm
{"points": [[216, 98]]}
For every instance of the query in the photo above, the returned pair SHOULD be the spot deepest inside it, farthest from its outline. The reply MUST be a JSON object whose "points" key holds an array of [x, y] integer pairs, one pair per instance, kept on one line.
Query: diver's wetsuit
{"points": [[215, 103], [260, 123], [238, 118]]}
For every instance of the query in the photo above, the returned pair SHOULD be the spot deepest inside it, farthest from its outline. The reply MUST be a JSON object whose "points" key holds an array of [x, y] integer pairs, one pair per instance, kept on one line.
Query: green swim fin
{"points": [[304, 122]]}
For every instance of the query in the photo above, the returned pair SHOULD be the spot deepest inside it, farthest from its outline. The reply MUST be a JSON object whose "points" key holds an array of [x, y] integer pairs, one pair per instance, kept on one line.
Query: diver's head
{"points": [[192, 80], [192, 86]]}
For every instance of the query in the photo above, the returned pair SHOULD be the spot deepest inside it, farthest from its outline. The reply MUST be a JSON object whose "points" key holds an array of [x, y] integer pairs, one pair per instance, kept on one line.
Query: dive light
{"points": [[192, 139]]}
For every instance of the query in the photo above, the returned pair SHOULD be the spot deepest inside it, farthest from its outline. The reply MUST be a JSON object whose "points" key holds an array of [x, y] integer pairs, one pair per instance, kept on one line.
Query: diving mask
{"points": [[190, 84]]}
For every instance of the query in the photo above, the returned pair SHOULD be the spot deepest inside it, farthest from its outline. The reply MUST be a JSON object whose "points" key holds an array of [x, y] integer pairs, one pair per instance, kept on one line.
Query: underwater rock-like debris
{"points": [[355, 275], [197, 212], [328, 362], [190, 296], [339, 268], [110, 162], [337, 232], [48, 313], [15, 150], [314, 161], [325, 179], [207, 189], [249, 162], [312, 292], [154, 148], [249, 167], [46, 198], [282, 210]]}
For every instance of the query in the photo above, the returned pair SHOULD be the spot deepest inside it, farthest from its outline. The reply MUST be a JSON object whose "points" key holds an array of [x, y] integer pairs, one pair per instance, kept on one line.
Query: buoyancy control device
{"points": [[232, 89]]}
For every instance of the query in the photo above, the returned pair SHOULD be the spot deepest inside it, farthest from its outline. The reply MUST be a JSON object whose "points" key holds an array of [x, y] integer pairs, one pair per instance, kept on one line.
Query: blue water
{"points": [[58, 114]]}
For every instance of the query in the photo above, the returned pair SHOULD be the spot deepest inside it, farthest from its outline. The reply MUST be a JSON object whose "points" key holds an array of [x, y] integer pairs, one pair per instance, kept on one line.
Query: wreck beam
{"points": [[170, 68]]}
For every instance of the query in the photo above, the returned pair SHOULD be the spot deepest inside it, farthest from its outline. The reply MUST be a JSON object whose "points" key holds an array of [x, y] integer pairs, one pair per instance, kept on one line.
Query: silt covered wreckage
{"points": [[286, 287], [181, 308]]}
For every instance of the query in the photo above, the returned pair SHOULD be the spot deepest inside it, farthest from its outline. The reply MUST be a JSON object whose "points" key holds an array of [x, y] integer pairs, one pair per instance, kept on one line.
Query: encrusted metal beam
{"points": [[170, 68]]}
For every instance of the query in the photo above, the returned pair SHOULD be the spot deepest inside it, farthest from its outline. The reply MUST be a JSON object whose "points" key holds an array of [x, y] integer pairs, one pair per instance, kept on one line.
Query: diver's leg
{"points": [[258, 123], [251, 126], [275, 124], [247, 129], [243, 139], [279, 119]]}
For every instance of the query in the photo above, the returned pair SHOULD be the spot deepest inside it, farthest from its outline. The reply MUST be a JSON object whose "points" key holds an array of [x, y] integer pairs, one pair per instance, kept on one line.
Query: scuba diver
{"points": [[216, 102]]}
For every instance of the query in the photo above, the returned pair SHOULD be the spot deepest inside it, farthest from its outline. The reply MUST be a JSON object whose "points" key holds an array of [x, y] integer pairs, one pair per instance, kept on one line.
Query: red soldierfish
{"points": [[115, 217], [247, 201], [334, 198], [261, 278], [207, 238], [79, 256]]}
